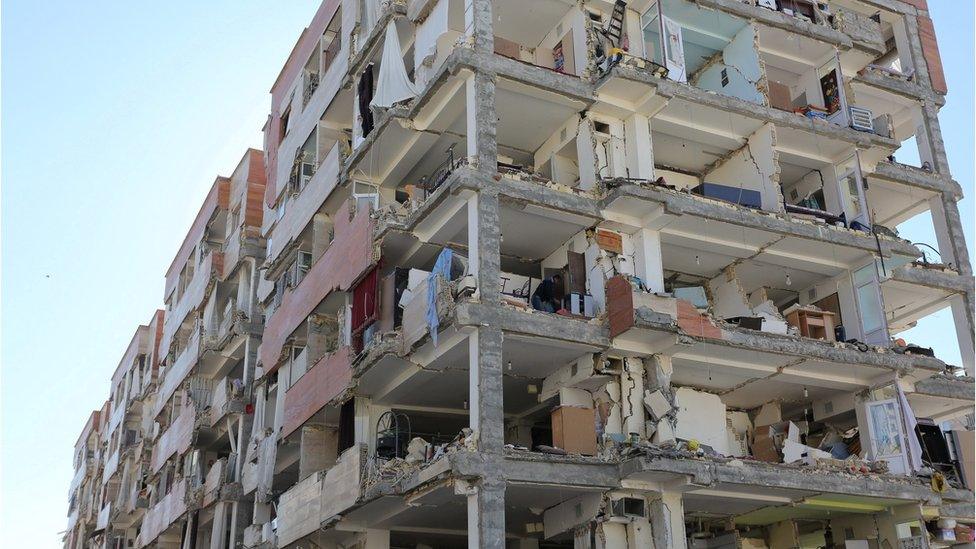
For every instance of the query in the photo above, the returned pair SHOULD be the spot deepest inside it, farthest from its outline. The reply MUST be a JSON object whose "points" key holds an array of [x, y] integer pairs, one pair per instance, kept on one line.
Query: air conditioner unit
{"points": [[768, 4], [862, 119], [629, 507]]}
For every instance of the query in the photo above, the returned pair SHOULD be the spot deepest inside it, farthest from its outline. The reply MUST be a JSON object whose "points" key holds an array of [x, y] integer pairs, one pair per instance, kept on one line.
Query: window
{"points": [[302, 265], [365, 193], [283, 127]]}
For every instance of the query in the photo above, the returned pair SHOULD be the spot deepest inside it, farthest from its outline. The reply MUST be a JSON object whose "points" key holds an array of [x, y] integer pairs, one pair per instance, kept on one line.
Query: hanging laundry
{"points": [[442, 267], [365, 94], [394, 85]]}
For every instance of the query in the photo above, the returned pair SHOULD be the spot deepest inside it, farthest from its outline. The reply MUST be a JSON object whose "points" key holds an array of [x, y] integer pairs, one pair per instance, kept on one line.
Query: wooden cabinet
{"points": [[812, 323]]}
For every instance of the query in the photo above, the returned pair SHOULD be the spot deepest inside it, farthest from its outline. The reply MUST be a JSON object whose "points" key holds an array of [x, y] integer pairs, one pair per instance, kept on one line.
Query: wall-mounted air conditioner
{"points": [[862, 119]]}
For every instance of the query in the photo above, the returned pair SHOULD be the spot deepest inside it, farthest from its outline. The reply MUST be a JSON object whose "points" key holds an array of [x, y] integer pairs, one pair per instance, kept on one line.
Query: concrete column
{"points": [[364, 421], [949, 232], [218, 527], [783, 534], [474, 230], [484, 241], [640, 153], [962, 317], [486, 506], [667, 515], [478, 25], [239, 516], [481, 122], [648, 262], [375, 539]]}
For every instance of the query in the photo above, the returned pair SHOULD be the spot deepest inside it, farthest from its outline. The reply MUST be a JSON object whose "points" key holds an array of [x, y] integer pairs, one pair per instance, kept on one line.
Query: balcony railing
{"points": [[226, 399], [175, 440], [111, 465], [163, 514], [192, 297], [215, 480], [103, 517], [320, 496], [177, 372]]}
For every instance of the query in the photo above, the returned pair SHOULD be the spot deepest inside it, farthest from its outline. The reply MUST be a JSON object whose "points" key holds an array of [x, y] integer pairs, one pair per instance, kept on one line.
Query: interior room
{"points": [[707, 48], [736, 164], [808, 83]]}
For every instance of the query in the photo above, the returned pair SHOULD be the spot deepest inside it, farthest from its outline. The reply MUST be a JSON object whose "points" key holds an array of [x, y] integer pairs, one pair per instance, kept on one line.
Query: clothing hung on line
{"points": [[365, 93]]}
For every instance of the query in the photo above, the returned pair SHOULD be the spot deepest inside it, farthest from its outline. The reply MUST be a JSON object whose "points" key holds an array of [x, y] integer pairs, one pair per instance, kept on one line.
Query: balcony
{"points": [[111, 465], [162, 515], [196, 290], [245, 240], [301, 208], [104, 515], [226, 399], [177, 372], [743, 365], [175, 440], [215, 480], [324, 381], [84, 468], [350, 255], [320, 496]]}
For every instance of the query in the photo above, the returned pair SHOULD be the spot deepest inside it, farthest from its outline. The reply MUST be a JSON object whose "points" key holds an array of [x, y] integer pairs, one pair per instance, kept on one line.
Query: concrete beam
{"points": [[687, 92], [763, 475], [509, 319], [677, 203], [795, 346], [961, 388], [917, 177]]}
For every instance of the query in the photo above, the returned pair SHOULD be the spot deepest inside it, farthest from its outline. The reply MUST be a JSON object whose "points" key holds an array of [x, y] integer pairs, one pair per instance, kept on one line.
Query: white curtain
{"points": [[908, 417], [370, 15], [425, 47], [393, 84]]}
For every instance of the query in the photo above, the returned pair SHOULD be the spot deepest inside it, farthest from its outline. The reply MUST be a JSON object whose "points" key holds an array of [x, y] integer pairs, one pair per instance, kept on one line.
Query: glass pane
{"points": [[851, 197], [872, 317]]}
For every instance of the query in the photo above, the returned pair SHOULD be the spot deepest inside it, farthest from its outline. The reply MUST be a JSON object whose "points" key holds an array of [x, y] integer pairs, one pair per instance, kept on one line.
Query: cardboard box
{"points": [[574, 429], [763, 445], [768, 440]]}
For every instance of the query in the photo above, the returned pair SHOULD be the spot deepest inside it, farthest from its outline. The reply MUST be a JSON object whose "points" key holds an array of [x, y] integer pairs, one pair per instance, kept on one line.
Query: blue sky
{"points": [[117, 116]]}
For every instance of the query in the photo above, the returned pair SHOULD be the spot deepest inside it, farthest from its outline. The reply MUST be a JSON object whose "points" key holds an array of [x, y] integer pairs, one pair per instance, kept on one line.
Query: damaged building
{"points": [[561, 274]]}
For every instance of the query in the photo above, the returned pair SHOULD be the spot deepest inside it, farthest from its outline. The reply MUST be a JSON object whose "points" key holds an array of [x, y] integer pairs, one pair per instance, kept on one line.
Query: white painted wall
{"points": [[701, 416], [741, 63], [755, 168]]}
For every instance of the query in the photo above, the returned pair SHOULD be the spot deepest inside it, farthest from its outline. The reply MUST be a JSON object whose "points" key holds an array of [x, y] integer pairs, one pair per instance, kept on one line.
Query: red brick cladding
{"points": [[307, 42], [930, 50], [331, 375], [218, 197], [346, 260]]}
